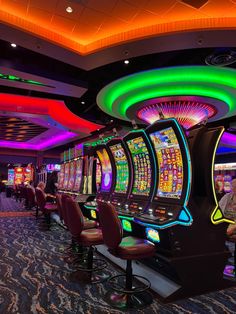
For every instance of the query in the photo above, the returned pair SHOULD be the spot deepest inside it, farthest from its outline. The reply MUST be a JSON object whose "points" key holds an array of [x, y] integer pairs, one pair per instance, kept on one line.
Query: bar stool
{"points": [[86, 238], [45, 207], [124, 295]]}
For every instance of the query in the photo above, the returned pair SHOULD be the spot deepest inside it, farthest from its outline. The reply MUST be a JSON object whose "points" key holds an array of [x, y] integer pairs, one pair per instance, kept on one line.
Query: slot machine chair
{"points": [[87, 238], [46, 208], [130, 248], [64, 213], [31, 198]]}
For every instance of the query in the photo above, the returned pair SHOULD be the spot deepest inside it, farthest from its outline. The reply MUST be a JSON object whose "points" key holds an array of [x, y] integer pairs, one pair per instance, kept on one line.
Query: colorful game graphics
{"points": [[142, 166], [10, 179], [19, 175], [122, 168], [170, 162], [61, 177], [66, 177], [71, 180], [78, 174], [229, 271], [106, 170]]}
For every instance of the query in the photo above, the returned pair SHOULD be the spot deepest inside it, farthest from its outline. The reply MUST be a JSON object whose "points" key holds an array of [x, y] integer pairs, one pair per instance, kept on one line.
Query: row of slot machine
{"points": [[20, 175], [146, 175], [161, 183]]}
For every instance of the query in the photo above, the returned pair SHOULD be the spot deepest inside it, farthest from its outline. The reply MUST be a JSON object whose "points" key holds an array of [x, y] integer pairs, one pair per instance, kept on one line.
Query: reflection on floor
{"points": [[36, 278]]}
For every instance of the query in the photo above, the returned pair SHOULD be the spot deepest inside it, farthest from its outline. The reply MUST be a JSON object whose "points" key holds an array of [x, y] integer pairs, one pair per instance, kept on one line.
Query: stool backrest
{"points": [[30, 195], [59, 205], [40, 198], [75, 217], [63, 207], [110, 223]]}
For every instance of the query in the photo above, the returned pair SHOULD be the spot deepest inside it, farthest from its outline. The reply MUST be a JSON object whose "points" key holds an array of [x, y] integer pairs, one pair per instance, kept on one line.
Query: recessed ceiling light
{"points": [[82, 102], [126, 62], [13, 45], [69, 10]]}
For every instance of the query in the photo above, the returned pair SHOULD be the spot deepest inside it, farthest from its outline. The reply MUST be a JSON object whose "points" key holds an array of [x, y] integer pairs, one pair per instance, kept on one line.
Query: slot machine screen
{"points": [[122, 168], [90, 175], [142, 166], [78, 174], [170, 162], [106, 170], [61, 176], [66, 177], [71, 180]]}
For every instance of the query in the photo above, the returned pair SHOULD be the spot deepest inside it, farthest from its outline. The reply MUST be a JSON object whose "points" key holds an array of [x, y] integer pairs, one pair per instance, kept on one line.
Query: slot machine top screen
{"points": [[78, 174], [106, 180], [122, 168], [142, 166], [170, 163]]}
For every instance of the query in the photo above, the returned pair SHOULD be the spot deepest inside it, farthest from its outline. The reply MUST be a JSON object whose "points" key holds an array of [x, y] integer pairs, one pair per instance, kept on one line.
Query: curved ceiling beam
{"points": [[54, 108]]}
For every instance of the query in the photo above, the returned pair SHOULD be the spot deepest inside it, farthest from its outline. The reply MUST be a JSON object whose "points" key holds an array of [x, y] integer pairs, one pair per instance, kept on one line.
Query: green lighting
{"points": [[93, 213], [98, 142], [14, 78], [219, 83], [126, 225]]}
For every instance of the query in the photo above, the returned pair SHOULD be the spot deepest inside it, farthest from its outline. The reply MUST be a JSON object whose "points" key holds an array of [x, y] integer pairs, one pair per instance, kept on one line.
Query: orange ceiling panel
{"points": [[36, 14], [98, 24], [62, 24], [124, 11], [103, 6]]}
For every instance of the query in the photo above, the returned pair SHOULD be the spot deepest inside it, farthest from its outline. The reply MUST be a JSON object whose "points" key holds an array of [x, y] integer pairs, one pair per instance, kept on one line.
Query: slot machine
{"points": [[61, 177], [78, 175], [144, 172], [168, 206], [123, 178], [72, 173], [107, 171], [66, 176], [19, 175]]}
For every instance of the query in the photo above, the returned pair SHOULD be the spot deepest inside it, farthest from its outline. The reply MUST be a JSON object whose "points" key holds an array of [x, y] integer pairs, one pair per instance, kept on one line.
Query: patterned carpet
{"points": [[36, 278]]}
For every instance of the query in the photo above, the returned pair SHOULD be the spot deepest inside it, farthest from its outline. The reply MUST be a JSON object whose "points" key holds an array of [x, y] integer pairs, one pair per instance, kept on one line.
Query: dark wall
{"points": [[224, 158], [51, 160], [3, 171], [17, 159]]}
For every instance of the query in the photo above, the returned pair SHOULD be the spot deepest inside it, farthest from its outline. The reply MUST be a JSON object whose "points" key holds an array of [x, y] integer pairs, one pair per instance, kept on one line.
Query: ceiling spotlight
{"points": [[13, 45], [82, 102], [69, 10], [126, 62]]}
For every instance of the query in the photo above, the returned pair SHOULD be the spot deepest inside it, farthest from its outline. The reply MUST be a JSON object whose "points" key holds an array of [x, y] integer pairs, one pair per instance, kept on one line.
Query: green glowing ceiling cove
{"points": [[120, 96], [14, 78]]}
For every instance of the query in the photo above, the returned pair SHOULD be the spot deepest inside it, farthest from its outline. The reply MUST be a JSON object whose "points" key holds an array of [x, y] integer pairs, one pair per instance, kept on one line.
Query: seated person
{"points": [[228, 206], [51, 186]]}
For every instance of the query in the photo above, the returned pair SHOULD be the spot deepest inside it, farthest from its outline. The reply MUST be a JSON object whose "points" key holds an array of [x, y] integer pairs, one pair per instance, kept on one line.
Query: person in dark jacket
{"points": [[51, 186]]}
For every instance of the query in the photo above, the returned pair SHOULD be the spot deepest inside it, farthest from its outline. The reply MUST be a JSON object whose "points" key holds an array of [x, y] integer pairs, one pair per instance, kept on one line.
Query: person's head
{"points": [[41, 185], [233, 185], [217, 186]]}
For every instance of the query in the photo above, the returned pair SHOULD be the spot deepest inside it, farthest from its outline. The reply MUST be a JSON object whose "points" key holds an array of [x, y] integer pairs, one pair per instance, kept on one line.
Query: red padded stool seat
{"points": [[46, 208], [129, 248]]}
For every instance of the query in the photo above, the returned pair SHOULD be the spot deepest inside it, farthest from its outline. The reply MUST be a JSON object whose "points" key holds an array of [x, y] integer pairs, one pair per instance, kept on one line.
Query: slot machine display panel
{"points": [[19, 175], [66, 176], [28, 174], [123, 178], [107, 172], [144, 171], [78, 175], [71, 180], [61, 176], [172, 157]]}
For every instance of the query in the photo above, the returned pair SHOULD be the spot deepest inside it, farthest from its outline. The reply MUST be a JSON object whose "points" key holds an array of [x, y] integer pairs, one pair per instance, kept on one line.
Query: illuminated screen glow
{"points": [[106, 170], [71, 180], [152, 235], [61, 176], [78, 174], [142, 166], [10, 180], [170, 163], [66, 176], [122, 168]]}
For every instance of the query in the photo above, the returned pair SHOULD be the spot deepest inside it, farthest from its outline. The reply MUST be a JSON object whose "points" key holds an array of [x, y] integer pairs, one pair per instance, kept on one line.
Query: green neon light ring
{"points": [[219, 83]]}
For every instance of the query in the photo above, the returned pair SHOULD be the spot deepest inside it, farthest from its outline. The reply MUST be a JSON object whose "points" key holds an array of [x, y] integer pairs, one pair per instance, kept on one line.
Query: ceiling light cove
{"points": [[211, 89]]}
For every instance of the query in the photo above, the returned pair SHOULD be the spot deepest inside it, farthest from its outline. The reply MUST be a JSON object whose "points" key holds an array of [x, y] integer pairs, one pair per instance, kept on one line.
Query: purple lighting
{"points": [[228, 139], [55, 140]]}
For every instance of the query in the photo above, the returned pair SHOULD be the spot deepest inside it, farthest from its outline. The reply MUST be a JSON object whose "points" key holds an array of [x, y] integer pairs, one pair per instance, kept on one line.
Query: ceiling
{"points": [[70, 57]]}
